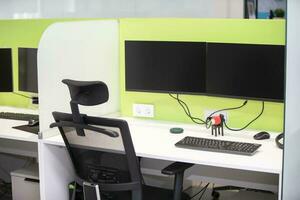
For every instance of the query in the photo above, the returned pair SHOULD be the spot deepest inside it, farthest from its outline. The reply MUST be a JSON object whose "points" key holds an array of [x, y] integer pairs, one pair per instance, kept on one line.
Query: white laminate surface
{"points": [[152, 139], [18, 110], [6, 130]]}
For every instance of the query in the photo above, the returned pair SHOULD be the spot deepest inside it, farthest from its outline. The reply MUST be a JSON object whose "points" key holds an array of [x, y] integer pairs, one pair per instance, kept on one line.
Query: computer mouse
{"points": [[261, 135], [33, 122]]}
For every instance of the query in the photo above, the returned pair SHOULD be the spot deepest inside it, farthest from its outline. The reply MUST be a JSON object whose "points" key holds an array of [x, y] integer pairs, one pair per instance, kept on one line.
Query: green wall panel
{"points": [[210, 30], [21, 33], [14, 34], [27, 33]]}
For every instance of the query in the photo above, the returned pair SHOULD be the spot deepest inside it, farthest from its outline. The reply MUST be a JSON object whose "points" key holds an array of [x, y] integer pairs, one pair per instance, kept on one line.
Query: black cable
{"points": [[22, 95], [198, 192], [187, 110], [240, 129], [204, 190], [208, 123], [233, 108], [183, 104], [184, 107]]}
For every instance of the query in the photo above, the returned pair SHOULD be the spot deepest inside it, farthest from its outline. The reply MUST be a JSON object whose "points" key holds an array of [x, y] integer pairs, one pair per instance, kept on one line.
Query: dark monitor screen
{"points": [[245, 70], [28, 80], [160, 66], [6, 72]]}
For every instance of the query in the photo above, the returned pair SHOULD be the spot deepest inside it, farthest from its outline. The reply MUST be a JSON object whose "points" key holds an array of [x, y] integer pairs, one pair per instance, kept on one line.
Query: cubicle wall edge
{"points": [[87, 50], [291, 160]]}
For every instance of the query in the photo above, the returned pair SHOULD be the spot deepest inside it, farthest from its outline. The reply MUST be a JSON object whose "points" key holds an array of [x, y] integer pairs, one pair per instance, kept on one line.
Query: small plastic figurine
{"points": [[217, 125]]}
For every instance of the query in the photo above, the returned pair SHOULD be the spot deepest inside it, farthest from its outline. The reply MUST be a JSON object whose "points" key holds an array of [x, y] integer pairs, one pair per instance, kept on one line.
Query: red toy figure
{"points": [[217, 125]]}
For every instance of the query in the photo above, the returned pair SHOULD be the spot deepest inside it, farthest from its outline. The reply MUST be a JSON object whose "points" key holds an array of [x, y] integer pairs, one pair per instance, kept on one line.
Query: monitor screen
{"points": [[28, 80], [6, 72], [160, 66], [245, 71]]}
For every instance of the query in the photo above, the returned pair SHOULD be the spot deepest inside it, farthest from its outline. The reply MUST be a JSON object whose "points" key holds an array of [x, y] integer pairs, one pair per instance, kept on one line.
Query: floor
{"points": [[6, 196], [232, 195], [199, 193], [243, 195], [5, 191]]}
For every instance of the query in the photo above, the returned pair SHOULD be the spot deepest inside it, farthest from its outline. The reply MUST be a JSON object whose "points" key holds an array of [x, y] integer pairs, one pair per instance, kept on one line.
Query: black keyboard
{"points": [[18, 116], [222, 146]]}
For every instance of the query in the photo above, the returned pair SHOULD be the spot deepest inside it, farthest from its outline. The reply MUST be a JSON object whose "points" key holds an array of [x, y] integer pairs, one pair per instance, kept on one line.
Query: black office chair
{"points": [[102, 151]]}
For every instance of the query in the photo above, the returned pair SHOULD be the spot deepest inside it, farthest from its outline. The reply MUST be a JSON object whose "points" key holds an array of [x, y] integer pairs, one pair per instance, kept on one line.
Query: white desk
{"points": [[152, 139], [7, 132], [15, 141]]}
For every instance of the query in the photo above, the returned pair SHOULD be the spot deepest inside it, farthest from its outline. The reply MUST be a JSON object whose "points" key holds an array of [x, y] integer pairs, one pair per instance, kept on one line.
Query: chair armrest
{"points": [[175, 168]]}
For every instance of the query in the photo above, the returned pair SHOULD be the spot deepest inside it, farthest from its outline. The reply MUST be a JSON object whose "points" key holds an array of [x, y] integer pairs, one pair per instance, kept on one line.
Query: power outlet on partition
{"points": [[207, 113], [143, 110]]}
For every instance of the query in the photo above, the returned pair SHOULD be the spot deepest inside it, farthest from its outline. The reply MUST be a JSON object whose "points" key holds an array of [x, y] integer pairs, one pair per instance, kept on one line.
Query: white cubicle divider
{"points": [[291, 174], [84, 50]]}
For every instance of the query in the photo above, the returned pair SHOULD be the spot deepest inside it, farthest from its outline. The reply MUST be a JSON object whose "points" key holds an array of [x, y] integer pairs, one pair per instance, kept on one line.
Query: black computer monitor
{"points": [[164, 66], [28, 80], [245, 71], [6, 71]]}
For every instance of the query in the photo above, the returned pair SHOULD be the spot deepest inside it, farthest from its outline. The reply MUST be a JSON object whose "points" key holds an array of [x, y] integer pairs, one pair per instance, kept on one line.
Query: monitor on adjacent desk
{"points": [[6, 72], [28, 81]]}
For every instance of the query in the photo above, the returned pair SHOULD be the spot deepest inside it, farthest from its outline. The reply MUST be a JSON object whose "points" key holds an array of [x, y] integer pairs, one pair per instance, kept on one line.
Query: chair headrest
{"points": [[87, 93]]}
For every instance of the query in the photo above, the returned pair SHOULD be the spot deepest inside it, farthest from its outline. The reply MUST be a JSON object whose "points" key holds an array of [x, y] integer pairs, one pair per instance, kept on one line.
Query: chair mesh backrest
{"points": [[97, 157]]}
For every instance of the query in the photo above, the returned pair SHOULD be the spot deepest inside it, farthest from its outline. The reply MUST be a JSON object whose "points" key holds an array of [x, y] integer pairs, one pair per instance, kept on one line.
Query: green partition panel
{"points": [[208, 30], [27, 33], [15, 34]]}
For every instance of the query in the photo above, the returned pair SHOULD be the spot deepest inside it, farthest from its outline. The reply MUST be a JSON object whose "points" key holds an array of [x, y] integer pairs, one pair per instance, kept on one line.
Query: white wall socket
{"points": [[208, 112], [143, 110]]}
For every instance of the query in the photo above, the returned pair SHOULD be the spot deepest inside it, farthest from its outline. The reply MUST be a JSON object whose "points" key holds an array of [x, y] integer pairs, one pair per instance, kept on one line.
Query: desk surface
{"points": [[6, 130], [152, 139]]}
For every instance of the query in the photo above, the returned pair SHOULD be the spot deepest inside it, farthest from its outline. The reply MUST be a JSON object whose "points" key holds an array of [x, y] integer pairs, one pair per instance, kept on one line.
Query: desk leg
{"points": [[178, 186]]}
